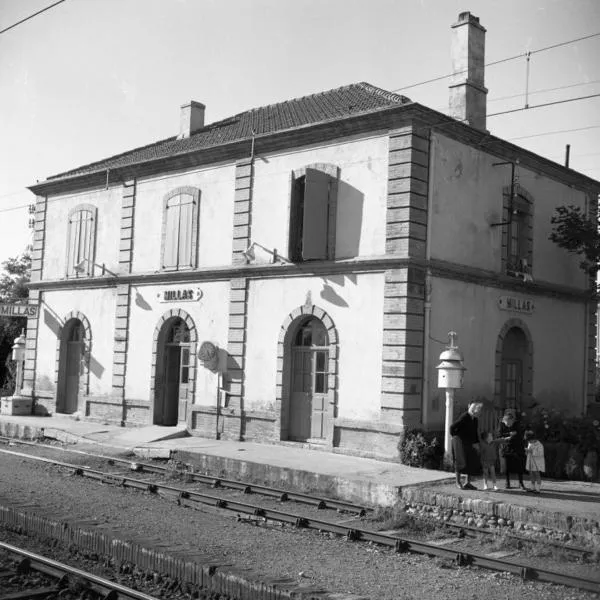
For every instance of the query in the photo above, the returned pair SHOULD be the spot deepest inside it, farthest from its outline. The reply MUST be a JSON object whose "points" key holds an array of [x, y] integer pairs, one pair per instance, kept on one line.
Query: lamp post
{"points": [[450, 377], [18, 355]]}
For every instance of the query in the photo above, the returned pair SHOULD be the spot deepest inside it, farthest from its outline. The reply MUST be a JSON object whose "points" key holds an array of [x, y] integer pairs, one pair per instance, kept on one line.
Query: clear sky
{"points": [[91, 78]]}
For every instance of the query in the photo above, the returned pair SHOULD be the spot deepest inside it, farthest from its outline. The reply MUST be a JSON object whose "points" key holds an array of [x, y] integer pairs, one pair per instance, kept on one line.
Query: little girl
{"points": [[536, 463]]}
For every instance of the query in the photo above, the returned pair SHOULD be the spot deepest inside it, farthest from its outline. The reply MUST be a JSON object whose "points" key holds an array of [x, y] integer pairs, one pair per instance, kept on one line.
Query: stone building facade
{"points": [[290, 273]]}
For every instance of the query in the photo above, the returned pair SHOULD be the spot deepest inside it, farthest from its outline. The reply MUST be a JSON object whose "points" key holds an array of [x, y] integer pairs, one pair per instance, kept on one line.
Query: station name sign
{"points": [[179, 294], [18, 310], [522, 305]]}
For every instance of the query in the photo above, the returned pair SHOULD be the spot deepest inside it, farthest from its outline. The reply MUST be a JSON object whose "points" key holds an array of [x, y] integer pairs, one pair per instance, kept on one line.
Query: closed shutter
{"points": [[80, 241], [316, 215]]}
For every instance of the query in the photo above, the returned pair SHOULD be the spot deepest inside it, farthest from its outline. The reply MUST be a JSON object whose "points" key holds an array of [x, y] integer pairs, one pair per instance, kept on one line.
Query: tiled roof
{"points": [[330, 105]]}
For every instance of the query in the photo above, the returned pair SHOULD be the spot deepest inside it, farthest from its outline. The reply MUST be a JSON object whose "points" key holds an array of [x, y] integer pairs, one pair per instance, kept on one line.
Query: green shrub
{"points": [[421, 449]]}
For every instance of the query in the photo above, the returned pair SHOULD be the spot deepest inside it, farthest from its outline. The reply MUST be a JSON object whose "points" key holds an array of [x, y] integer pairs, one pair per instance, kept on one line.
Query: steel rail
{"points": [[399, 544], [247, 488], [284, 495], [111, 590]]}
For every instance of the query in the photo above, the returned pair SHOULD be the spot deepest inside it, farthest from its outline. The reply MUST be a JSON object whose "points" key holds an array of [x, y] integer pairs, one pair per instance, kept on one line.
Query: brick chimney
{"points": [[191, 119], [468, 94]]}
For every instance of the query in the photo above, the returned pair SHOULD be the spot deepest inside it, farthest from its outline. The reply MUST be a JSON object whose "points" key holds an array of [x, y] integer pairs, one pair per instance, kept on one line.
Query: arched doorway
{"points": [[173, 361], [515, 367], [71, 366], [309, 382]]}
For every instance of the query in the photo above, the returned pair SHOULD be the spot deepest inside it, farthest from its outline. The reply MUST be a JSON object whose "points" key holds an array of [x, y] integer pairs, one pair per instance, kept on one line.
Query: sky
{"points": [[88, 79]]}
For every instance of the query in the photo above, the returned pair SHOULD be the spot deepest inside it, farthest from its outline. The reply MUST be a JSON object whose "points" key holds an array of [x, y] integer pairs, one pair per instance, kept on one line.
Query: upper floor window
{"points": [[81, 241], [313, 213], [518, 235], [180, 229]]}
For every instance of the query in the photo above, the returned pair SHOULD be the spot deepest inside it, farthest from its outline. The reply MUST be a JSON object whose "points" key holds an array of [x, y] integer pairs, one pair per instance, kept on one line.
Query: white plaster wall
{"points": [[363, 164], [211, 318], [108, 224], [467, 199], [217, 191], [359, 326], [98, 306], [556, 327]]}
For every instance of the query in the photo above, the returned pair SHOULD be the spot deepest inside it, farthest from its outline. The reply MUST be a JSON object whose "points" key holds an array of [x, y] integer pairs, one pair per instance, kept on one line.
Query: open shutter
{"points": [[171, 234], [316, 215]]}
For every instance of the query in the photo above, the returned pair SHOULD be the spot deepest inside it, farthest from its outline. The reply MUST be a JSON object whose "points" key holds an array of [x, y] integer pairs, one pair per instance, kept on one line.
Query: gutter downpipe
{"points": [[427, 291]]}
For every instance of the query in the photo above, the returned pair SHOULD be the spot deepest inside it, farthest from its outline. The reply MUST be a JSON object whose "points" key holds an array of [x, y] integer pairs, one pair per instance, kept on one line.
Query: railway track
{"points": [[57, 579], [392, 540]]}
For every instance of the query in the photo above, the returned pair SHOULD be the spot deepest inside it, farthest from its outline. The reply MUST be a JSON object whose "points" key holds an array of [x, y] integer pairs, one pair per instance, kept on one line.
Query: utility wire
{"points": [[561, 87], [31, 16], [512, 110], [497, 62], [523, 137]]}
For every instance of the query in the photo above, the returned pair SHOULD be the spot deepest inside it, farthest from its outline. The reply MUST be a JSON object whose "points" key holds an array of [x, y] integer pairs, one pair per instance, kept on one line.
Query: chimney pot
{"points": [[191, 118], [468, 94]]}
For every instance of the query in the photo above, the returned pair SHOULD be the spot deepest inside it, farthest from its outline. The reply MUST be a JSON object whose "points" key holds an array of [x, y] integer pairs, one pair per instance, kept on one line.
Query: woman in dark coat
{"points": [[513, 449], [464, 439]]}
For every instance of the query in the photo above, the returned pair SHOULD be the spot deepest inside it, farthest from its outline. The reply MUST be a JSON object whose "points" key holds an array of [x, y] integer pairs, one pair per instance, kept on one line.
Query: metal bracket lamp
{"points": [[251, 256], [80, 267]]}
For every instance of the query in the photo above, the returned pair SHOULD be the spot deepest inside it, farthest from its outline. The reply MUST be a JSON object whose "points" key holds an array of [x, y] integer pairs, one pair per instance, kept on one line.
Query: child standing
{"points": [[536, 463], [487, 454]]}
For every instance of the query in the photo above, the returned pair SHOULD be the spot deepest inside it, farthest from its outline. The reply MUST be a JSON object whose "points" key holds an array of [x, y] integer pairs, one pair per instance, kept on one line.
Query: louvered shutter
{"points": [[170, 253], [316, 211], [186, 212]]}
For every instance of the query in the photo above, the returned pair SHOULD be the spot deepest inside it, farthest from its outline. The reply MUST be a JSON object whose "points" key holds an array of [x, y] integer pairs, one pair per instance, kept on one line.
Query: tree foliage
{"points": [[578, 234], [13, 278]]}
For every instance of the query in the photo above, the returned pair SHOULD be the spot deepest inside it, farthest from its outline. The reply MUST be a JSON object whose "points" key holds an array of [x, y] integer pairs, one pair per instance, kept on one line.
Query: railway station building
{"points": [[290, 274]]}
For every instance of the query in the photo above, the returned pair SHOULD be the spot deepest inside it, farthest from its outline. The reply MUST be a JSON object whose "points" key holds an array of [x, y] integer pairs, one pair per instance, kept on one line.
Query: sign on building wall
{"points": [[522, 305], [179, 294], [18, 310]]}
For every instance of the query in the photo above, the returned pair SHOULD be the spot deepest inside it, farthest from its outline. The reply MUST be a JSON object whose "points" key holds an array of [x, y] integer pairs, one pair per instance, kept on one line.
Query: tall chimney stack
{"points": [[191, 118], [468, 94]]}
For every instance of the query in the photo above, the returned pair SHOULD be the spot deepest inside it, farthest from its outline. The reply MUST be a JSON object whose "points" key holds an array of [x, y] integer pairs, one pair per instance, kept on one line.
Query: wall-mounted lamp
{"points": [[80, 267], [251, 255]]}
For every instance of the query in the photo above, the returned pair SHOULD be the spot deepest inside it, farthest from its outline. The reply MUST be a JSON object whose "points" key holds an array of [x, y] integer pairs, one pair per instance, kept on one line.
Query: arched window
{"points": [[180, 229], [81, 238]]}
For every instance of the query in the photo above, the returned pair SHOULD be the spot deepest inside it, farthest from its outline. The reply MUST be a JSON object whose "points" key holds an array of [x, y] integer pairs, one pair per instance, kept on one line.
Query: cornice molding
{"points": [[437, 268]]}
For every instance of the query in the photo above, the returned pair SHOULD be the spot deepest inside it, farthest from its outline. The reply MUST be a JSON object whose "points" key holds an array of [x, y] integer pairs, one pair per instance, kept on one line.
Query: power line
{"points": [[31, 16], [523, 137], [561, 87], [497, 62], [512, 110]]}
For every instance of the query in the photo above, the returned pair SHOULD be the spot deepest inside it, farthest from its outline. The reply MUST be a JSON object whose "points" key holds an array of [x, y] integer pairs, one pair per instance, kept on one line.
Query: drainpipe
{"points": [[427, 291]]}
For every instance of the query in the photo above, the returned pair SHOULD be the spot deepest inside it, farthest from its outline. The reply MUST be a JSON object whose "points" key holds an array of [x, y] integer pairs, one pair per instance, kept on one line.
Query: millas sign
{"points": [[18, 310], [179, 295], [523, 305]]}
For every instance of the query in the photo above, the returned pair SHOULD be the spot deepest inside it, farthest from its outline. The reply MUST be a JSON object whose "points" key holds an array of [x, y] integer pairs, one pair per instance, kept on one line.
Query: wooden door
{"points": [[319, 365], [512, 384], [184, 382], [72, 372], [301, 396], [171, 386]]}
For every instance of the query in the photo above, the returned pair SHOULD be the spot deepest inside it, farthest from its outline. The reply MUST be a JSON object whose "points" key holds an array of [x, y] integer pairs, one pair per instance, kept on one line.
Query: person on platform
{"points": [[536, 463], [513, 449], [488, 452], [464, 445]]}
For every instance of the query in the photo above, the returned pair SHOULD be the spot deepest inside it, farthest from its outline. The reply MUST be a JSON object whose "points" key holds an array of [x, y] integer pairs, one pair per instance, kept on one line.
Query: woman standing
{"points": [[513, 450], [464, 441]]}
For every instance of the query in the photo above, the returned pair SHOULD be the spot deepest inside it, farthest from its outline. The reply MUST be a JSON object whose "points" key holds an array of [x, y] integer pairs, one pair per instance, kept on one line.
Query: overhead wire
{"points": [[39, 12], [497, 62]]}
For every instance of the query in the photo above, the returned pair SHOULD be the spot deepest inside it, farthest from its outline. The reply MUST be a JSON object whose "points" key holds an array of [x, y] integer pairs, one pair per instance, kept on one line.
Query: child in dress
{"points": [[487, 453], [536, 463]]}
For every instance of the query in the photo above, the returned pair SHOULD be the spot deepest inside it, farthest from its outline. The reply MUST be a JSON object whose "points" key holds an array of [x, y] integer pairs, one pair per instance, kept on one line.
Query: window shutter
{"points": [[186, 212], [316, 215], [171, 234]]}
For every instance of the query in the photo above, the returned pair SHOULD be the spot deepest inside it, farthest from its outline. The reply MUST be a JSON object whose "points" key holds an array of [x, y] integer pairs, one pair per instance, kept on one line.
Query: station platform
{"points": [[570, 507]]}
